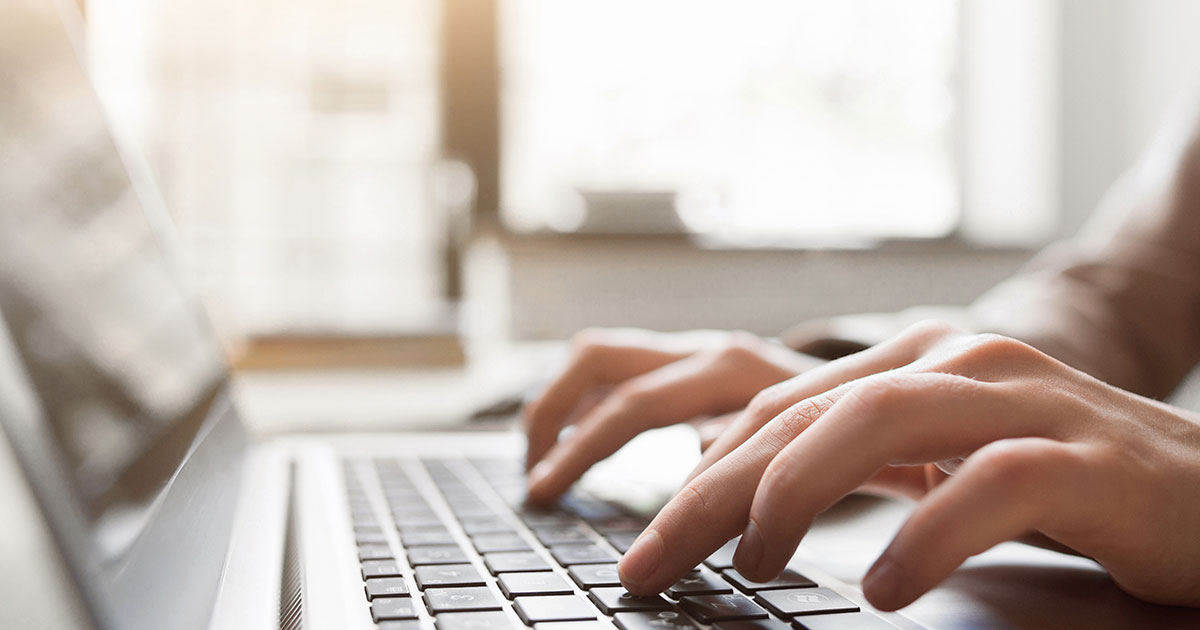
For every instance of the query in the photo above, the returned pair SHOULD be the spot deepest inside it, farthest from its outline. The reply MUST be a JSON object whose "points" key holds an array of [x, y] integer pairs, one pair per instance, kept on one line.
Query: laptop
{"points": [[115, 400]]}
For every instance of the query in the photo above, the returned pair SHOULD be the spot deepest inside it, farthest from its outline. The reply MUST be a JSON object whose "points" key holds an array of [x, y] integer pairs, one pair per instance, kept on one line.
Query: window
{"points": [[292, 142], [764, 121]]}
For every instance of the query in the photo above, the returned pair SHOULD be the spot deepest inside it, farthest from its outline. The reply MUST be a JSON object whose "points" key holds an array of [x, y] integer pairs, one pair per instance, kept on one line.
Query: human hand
{"points": [[1034, 446], [620, 382]]}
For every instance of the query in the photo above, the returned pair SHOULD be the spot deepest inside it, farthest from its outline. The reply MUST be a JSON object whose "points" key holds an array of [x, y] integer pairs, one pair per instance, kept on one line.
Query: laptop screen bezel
{"points": [[170, 573], [173, 569]]}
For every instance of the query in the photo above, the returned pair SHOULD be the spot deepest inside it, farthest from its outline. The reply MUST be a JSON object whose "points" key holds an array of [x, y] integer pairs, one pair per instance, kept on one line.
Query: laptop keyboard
{"points": [[455, 549]]}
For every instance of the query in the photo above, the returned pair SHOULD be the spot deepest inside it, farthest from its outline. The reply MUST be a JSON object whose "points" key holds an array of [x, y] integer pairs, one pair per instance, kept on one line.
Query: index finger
{"points": [[598, 359], [692, 386], [836, 438], [720, 498]]}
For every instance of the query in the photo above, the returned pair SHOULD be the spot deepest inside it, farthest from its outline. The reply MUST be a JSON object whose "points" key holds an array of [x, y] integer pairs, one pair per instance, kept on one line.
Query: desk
{"points": [[274, 402]]}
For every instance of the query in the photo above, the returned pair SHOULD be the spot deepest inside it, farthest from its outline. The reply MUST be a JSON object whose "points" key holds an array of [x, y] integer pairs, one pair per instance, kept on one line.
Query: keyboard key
{"points": [[407, 505], [362, 515], [367, 524], [436, 554], [568, 555], [442, 600], [402, 493], [843, 621], [699, 582], [615, 599], [457, 492], [575, 625], [370, 538], [404, 499], [804, 601], [425, 526], [539, 583], [403, 624], [470, 498], [661, 620], [621, 524], [393, 608], [534, 517], [380, 568], [476, 621], [560, 534], [722, 558], [422, 537], [405, 513], [589, 576], [507, 561], [472, 510], [590, 509], [787, 579], [710, 608], [533, 610], [753, 624], [448, 575], [487, 543], [374, 552], [486, 525], [622, 541], [409, 523], [385, 587]]}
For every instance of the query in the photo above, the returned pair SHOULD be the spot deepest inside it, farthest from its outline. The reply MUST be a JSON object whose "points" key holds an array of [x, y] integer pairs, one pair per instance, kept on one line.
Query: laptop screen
{"points": [[123, 361]]}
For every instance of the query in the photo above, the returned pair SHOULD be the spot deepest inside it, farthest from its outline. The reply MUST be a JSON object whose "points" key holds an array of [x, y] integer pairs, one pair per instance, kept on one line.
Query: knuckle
{"points": [[990, 348], [929, 331], [740, 346], [776, 480], [1011, 463], [880, 392], [587, 340], [765, 404], [693, 498], [630, 399], [797, 418]]}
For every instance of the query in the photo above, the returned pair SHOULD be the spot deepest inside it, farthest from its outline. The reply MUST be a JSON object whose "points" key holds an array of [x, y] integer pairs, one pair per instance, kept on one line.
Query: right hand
{"points": [[620, 382]]}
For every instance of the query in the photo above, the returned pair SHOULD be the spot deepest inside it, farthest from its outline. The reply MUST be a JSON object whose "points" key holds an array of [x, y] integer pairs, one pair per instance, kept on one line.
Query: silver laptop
{"points": [[115, 400]]}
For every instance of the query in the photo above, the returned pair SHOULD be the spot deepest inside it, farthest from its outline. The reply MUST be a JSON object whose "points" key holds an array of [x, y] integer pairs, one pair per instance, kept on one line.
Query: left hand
{"points": [[1033, 445]]}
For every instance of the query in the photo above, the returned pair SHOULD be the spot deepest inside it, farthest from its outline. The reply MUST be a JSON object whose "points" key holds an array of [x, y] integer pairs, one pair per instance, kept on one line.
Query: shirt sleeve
{"points": [[1120, 301]]}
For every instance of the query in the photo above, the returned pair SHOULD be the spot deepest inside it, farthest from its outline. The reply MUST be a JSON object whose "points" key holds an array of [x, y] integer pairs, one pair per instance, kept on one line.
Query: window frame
{"points": [[998, 173]]}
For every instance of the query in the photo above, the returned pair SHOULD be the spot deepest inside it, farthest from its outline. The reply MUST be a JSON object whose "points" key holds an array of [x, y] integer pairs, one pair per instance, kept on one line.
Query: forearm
{"points": [[1121, 301]]}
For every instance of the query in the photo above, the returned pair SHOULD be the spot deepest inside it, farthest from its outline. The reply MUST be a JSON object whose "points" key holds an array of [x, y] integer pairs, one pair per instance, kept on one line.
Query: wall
{"points": [[559, 285], [1121, 66], [1125, 65]]}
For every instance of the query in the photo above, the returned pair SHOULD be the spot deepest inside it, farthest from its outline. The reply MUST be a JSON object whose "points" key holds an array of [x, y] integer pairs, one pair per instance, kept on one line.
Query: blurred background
{"points": [[375, 170]]}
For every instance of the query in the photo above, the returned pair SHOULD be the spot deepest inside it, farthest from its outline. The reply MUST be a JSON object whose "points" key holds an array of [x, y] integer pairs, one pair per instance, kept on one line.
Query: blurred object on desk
{"points": [[336, 350], [623, 212], [433, 342], [365, 400]]}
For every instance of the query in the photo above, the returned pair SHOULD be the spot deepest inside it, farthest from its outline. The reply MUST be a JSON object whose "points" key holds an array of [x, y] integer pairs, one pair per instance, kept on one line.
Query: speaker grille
{"points": [[291, 592]]}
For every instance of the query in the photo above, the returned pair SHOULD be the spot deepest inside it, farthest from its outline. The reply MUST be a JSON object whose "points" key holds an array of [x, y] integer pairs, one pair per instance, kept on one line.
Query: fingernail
{"points": [[750, 550], [642, 559], [539, 474], [882, 585]]}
